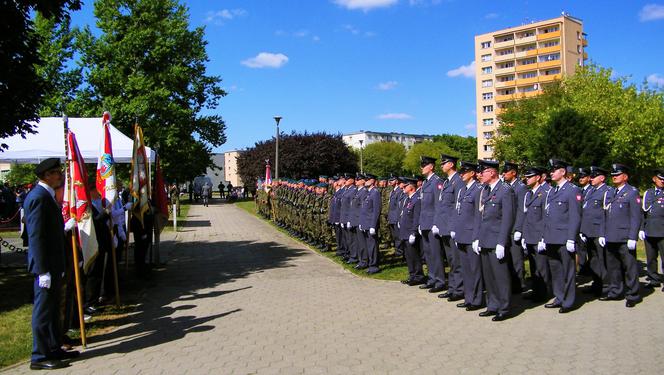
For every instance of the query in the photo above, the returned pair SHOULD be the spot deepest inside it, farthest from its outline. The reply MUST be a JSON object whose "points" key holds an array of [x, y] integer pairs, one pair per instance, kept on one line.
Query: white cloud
{"points": [[394, 116], [298, 34], [218, 17], [424, 2], [355, 31], [467, 71], [655, 80], [470, 128], [365, 5], [385, 86], [266, 60], [490, 16], [651, 12]]}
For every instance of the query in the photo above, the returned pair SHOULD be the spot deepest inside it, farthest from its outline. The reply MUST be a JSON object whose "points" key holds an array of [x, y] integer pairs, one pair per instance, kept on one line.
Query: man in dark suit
{"points": [[652, 230], [46, 260], [621, 230], [562, 222], [393, 212], [356, 213], [345, 213], [430, 242], [492, 229], [515, 253], [467, 206], [407, 225]]}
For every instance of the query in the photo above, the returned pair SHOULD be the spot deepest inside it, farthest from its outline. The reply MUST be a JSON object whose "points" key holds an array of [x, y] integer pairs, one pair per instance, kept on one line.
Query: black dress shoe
{"points": [[564, 310], [652, 285], [610, 298], [426, 286], [454, 298], [437, 289], [631, 303], [463, 305], [445, 295], [499, 317], [66, 354], [415, 282], [473, 308], [50, 364], [488, 313], [405, 281], [552, 305]]}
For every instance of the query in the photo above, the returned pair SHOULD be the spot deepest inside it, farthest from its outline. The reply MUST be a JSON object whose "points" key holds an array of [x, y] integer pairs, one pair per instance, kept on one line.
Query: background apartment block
{"points": [[517, 63], [368, 137]]}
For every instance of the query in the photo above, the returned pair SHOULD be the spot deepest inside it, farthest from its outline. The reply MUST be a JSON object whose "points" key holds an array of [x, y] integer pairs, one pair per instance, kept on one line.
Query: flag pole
{"points": [[106, 118], [115, 265], [77, 276]]}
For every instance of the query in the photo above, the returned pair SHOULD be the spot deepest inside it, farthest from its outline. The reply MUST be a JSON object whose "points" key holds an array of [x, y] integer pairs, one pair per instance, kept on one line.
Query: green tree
{"points": [[465, 147], [21, 174], [21, 87], [148, 66], [411, 163], [383, 158]]}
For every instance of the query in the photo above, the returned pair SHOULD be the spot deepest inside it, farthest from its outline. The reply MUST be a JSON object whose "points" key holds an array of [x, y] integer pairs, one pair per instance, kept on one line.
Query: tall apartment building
{"points": [[517, 63], [363, 138]]}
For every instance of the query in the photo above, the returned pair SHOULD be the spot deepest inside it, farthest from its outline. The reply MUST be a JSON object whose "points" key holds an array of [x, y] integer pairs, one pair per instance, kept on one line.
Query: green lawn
{"points": [[392, 268], [182, 217]]}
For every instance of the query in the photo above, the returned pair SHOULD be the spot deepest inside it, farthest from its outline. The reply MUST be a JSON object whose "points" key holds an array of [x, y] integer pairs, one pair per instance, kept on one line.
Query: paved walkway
{"points": [[238, 297]]}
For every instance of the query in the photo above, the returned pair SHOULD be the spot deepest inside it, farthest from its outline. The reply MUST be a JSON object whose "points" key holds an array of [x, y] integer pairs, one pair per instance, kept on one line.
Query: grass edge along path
{"points": [[393, 269]]}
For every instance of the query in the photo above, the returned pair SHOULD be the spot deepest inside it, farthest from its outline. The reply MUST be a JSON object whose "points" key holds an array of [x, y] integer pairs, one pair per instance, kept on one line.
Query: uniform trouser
{"points": [[597, 261], [395, 237], [516, 265], [563, 274], [361, 244], [621, 266], [46, 323], [351, 239], [540, 272], [339, 237], [582, 253], [432, 249], [371, 242], [496, 275], [454, 277], [471, 272], [654, 248], [413, 259]]}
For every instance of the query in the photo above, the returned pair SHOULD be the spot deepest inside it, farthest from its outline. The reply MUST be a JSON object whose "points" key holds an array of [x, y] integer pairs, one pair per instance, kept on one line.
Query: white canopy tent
{"points": [[49, 142]]}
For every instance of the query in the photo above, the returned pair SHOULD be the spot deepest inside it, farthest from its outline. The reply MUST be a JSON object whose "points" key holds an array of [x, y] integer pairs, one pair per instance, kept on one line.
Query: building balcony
{"points": [[528, 39], [526, 67], [549, 64], [504, 98], [499, 58], [585, 55], [500, 85], [521, 54], [547, 50], [525, 95], [550, 77], [498, 45], [504, 70], [551, 35], [531, 53], [526, 81], [584, 42]]}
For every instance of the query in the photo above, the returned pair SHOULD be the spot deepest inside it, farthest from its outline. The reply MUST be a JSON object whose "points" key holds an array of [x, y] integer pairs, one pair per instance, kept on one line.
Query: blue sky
{"points": [[386, 65]]}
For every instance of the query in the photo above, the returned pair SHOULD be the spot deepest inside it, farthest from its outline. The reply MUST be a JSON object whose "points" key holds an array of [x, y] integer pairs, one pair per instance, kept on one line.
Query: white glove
{"points": [[517, 236], [337, 223], [570, 246], [399, 225], [500, 252], [452, 234], [435, 230], [70, 224], [348, 224], [642, 235], [523, 243], [342, 225], [602, 241], [372, 231], [631, 244], [419, 230], [128, 206], [541, 246], [45, 280], [411, 239], [476, 247], [360, 227]]}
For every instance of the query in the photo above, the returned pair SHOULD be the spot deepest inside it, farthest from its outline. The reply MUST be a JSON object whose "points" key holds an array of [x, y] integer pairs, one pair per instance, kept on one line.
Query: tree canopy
{"points": [[433, 149], [383, 158], [464, 147]]}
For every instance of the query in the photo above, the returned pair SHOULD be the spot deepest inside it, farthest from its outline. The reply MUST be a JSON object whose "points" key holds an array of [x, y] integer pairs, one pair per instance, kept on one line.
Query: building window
{"points": [[527, 61], [487, 70], [488, 135], [487, 121], [506, 78], [578, 48], [528, 75], [506, 64], [507, 51], [549, 57], [505, 38], [486, 45], [551, 29], [488, 148], [487, 96], [506, 91], [487, 83], [527, 34], [552, 43], [529, 47], [487, 108], [529, 88], [578, 35], [486, 58], [549, 72]]}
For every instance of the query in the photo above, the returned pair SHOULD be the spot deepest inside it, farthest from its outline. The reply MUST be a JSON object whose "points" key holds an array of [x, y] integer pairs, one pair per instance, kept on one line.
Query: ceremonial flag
{"points": [[79, 203], [268, 175], [159, 193], [106, 166], [139, 184]]}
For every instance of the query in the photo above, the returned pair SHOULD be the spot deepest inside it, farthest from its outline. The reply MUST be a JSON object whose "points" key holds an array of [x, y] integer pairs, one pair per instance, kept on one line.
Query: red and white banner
{"points": [[268, 175], [139, 184], [106, 166]]}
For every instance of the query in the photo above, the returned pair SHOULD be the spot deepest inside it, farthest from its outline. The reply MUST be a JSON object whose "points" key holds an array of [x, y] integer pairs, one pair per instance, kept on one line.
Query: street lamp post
{"points": [[276, 154], [361, 157]]}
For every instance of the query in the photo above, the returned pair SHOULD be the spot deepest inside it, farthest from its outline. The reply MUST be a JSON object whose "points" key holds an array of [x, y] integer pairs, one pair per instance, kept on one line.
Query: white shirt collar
{"points": [[562, 184], [494, 184], [48, 188], [431, 175], [452, 175], [469, 184]]}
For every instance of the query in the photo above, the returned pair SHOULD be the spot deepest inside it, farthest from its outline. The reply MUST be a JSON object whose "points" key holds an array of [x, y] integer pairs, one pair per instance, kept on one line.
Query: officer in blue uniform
{"points": [[345, 213], [447, 193], [356, 213], [465, 211], [335, 215], [430, 243], [511, 177], [582, 256], [621, 230], [561, 229], [407, 225], [530, 223], [393, 212], [369, 221], [652, 232], [592, 228], [492, 229]]}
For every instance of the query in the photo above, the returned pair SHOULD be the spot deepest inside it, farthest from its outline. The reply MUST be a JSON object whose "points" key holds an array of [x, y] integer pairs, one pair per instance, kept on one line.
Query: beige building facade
{"points": [[517, 62], [230, 167]]}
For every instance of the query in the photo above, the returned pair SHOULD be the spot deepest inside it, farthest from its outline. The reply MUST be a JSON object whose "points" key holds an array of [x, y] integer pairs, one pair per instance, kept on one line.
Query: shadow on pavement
{"points": [[193, 267]]}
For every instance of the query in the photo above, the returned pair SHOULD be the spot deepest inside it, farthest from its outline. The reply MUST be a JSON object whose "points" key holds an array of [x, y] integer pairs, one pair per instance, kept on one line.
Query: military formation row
{"points": [[484, 223]]}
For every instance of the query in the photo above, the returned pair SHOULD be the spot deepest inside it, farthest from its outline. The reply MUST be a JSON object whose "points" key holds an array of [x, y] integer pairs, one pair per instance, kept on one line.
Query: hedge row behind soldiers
{"points": [[483, 224]]}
